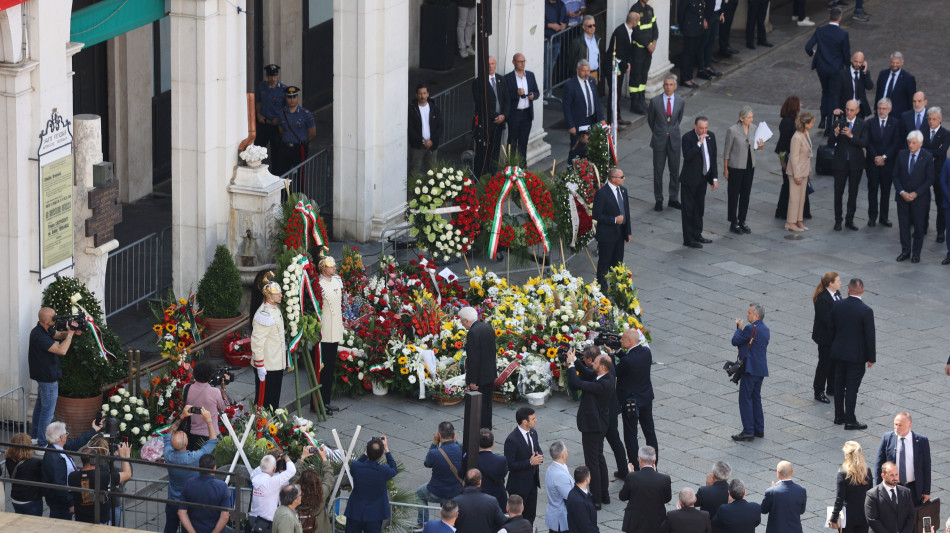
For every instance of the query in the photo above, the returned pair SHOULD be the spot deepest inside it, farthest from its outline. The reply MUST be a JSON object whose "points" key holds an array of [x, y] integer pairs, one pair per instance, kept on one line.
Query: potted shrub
{"points": [[219, 295], [85, 371]]}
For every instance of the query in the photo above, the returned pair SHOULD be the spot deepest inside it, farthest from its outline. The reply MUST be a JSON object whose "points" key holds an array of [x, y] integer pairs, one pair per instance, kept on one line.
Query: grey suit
{"points": [[665, 142], [885, 517]]}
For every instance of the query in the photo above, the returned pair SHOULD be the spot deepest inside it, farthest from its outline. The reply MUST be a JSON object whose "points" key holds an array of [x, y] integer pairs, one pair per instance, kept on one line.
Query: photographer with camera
{"points": [[85, 478], [176, 453], [592, 419], [752, 341], [47, 345], [369, 500], [849, 139], [586, 371], [267, 480], [204, 394], [635, 393]]}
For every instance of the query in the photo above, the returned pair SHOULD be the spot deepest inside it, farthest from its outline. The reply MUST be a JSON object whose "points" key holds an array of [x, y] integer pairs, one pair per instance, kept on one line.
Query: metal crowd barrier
{"points": [[137, 271], [557, 67], [399, 513], [314, 177], [458, 108], [12, 413]]}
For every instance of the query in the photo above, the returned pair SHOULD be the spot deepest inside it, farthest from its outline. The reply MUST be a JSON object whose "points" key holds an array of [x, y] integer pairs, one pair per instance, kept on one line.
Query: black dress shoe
{"points": [[623, 122], [704, 240], [871, 223], [941, 238], [946, 260], [735, 229], [856, 425], [820, 397], [903, 257], [331, 408], [837, 226], [714, 60], [658, 206], [691, 84], [704, 74], [674, 204], [732, 50], [741, 437], [620, 475], [759, 434], [750, 46], [745, 229], [692, 244], [915, 259], [839, 421], [886, 223], [829, 393], [766, 44], [725, 55], [851, 226]]}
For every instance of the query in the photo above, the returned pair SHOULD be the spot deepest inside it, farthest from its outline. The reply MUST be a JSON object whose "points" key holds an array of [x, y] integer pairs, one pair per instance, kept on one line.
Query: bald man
{"points": [[784, 502], [176, 453], [522, 92], [46, 347], [853, 84]]}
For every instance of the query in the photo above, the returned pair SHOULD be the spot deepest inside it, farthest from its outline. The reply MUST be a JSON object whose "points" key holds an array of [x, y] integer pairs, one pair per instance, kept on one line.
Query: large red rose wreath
{"points": [[304, 225], [573, 194], [520, 231]]}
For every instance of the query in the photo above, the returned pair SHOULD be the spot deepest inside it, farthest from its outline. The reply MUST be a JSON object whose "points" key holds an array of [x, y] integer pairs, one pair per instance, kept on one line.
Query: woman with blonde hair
{"points": [[854, 482], [799, 170]]}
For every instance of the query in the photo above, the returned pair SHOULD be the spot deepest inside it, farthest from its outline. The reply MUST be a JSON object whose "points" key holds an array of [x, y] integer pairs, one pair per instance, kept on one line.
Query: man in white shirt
{"points": [[425, 130], [910, 451], [267, 484], [888, 506], [587, 46], [522, 90]]}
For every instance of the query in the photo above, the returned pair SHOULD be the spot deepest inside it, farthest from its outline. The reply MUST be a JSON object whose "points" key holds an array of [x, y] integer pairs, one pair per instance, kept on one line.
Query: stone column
{"points": [[283, 40], [209, 119], [661, 56], [90, 259], [370, 82], [130, 116]]}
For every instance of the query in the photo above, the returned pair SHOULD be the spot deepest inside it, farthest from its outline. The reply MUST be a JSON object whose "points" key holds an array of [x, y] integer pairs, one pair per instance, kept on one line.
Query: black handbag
{"points": [[185, 424], [735, 369]]}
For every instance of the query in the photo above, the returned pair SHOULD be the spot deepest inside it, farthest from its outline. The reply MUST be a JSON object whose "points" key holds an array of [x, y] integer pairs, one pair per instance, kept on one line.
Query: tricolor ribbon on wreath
{"points": [[310, 226], [610, 140], [506, 373], [574, 199], [304, 284], [302, 429], [96, 334], [514, 177]]}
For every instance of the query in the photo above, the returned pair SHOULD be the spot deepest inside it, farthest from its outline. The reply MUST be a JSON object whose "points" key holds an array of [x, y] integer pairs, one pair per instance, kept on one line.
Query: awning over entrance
{"points": [[110, 18], [6, 4]]}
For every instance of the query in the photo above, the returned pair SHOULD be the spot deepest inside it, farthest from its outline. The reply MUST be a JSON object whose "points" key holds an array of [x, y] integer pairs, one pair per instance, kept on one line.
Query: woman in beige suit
{"points": [[739, 167], [799, 170], [331, 327]]}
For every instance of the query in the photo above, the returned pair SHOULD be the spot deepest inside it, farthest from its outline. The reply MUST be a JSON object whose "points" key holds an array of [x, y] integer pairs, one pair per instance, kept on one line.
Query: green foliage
{"points": [[85, 372], [219, 291], [598, 150]]}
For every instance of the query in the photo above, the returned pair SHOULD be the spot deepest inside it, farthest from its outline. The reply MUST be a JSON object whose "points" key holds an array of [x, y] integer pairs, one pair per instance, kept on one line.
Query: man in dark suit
{"points": [[515, 522], [612, 436], [686, 518], [889, 506], [699, 168], [691, 15], [523, 453], [449, 515], [621, 43], [54, 469], [369, 501], [522, 92], [664, 115], [853, 347], [822, 335], [830, 58], [581, 509], [646, 492], [914, 118], [612, 213], [910, 451], [883, 142], [424, 131], [849, 138], [897, 84], [478, 512], [937, 141], [592, 420], [752, 342], [491, 107], [494, 467], [913, 175], [581, 104], [716, 492], [480, 371], [739, 515], [853, 84], [635, 394], [784, 502]]}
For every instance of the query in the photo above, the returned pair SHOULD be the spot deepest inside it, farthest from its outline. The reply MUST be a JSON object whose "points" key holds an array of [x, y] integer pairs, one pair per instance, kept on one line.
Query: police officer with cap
{"points": [[297, 128], [269, 101]]}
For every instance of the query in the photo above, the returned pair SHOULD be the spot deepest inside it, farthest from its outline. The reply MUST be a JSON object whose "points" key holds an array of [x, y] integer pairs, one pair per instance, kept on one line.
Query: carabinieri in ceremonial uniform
{"points": [[297, 128]]}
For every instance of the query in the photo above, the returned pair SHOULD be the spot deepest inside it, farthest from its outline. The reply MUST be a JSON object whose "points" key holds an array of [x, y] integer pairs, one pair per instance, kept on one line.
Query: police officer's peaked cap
{"points": [[293, 90], [272, 69]]}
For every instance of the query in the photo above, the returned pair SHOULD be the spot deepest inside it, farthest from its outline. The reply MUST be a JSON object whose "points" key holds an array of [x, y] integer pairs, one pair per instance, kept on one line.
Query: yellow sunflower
{"points": [[157, 328], [403, 370], [169, 327], [402, 360], [552, 352], [272, 429]]}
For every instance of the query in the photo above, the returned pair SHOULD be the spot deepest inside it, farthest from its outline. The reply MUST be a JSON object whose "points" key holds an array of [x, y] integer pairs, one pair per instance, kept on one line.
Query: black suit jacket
{"points": [[478, 512], [852, 325], [511, 84], [574, 104], [937, 145], [415, 125], [633, 375], [821, 329], [621, 42], [740, 516], [710, 497], [690, 14], [884, 141], [887, 451], [581, 513], [852, 497], [481, 88], [494, 469], [849, 151], [523, 477], [902, 97], [605, 212], [595, 402], [846, 90], [883, 516], [908, 123], [686, 520], [692, 173], [646, 492], [833, 49], [480, 354], [919, 180]]}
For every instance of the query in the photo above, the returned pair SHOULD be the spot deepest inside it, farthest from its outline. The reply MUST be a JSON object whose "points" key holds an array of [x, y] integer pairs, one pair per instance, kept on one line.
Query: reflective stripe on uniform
{"points": [[638, 89]]}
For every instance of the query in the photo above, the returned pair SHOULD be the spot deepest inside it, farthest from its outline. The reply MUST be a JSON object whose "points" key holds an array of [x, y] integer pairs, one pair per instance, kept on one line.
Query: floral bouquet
{"points": [[177, 327], [407, 364], [352, 271], [153, 450], [624, 296], [165, 399], [484, 285], [432, 196], [352, 368], [534, 375], [132, 414], [237, 349], [253, 154]]}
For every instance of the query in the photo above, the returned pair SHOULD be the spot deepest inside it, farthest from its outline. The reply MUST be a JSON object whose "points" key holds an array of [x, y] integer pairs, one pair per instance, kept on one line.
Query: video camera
{"points": [[562, 350], [223, 374], [606, 338], [62, 322], [110, 432]]}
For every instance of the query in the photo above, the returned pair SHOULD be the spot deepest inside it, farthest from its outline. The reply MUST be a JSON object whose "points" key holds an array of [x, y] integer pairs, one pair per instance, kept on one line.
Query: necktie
{"points": [[913, 160], [669, 107], [705, 160], [901, 464], [494, 90], [933, 133], [917, 121], [590, 98], [530, 446], [857, 80], [890, 84], [893, 493], [620, 200], [851, 125], [882, 124]]}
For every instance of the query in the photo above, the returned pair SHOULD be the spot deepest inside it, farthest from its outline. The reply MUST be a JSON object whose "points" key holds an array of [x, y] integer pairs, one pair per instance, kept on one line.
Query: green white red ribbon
{"points": [[610, 141], [96, 334], [514, 177], [310, 226], [304, 284], [305, 433]]}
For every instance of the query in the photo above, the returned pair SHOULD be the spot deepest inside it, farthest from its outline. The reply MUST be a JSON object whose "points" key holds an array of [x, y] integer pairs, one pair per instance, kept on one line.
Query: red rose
{"points": [[159, 419]]}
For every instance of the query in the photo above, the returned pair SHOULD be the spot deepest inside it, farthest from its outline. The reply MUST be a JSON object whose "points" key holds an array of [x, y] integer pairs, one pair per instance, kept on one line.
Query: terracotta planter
{"points": [[77, 413], [215, 325]]}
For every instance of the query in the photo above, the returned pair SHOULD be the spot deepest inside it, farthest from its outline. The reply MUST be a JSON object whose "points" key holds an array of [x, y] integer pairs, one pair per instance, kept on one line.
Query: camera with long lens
{"points": [[224, 374], [606, 338], [562, 350], [840, 122], [64, 322], [734, 370], [110, 432]]}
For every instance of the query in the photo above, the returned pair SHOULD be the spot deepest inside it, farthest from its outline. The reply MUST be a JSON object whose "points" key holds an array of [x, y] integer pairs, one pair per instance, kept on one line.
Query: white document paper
{"points": [[842, 517], [762, 133], [447, 274]]}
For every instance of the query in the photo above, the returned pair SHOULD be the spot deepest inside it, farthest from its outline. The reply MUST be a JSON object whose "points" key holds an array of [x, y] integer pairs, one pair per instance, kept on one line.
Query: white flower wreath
{"points": [[432, 196]]}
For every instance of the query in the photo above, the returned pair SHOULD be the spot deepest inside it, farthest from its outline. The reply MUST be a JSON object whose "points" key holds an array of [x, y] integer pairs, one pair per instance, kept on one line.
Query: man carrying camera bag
{"points": [[46, 347], [752, 341]]}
